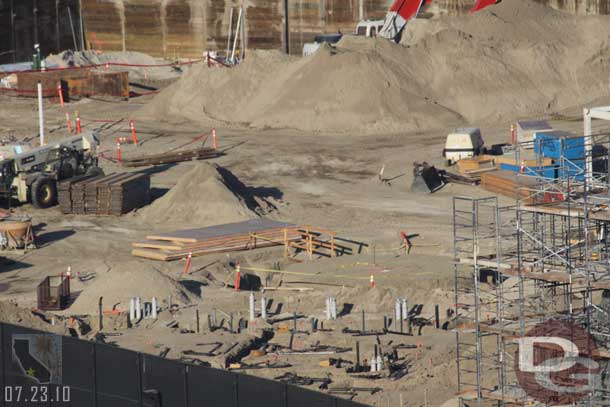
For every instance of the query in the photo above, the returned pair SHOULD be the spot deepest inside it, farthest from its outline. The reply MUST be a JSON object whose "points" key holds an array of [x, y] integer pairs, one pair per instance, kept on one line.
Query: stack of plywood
{"points": [[509, 183], [476, 165], [114, 194], [229, 237]]}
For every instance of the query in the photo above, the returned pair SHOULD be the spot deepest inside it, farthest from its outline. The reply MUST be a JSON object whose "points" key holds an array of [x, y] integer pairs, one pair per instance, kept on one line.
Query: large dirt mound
{"points": [[119, 284], [204, 196], [514, 59]]}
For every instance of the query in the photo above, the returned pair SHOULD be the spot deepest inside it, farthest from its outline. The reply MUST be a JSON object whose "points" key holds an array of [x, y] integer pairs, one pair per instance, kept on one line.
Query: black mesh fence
{"points": [[42, 369]]}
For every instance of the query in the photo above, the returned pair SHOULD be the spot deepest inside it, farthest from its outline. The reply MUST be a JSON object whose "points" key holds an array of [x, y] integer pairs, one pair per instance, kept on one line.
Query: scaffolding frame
{"points": [[549, 256]]}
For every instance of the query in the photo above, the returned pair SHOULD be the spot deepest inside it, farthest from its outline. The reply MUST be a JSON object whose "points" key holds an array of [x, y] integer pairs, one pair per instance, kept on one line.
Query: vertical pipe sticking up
{"points": [[397, 313], [72, 28], [263, 307], [138, 309], [236, 36], [333, 307], [154, 307], [40, 114], [251, 302], [132, 309], [82, 26]]}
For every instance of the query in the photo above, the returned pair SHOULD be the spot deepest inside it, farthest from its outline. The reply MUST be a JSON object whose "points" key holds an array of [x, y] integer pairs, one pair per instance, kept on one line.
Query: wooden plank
{"points": [[194, 235]]}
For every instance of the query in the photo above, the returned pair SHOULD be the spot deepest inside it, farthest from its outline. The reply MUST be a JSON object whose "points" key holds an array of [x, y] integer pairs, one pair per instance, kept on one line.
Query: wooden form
{"points": [[53, 293], [508, 183], [199, 153], [114, 194], [75, 83], [476, 165], [238, 236]]}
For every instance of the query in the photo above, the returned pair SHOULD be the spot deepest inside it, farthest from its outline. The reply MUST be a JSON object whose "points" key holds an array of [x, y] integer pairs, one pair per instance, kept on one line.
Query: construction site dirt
{"points": [[322, 179], [357, 185]]}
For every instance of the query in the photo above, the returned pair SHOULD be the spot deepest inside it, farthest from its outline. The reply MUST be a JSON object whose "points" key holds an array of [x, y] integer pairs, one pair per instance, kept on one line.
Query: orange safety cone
{"points": [[78, 128], [372, 281], [188, 263], [60, 93], [214, 139], [237, 278], [134, 138], [68, 122], [118, 151]]}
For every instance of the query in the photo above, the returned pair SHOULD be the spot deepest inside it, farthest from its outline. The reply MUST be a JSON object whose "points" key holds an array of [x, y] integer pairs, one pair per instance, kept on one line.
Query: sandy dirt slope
{"points": [[518, 57]]}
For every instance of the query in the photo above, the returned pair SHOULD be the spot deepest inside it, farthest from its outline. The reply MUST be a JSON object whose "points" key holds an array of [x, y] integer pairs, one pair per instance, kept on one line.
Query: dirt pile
{"points": [[136, 60], [204, 196], [513, 59], [117, 285], [13, 314], [517, 58], [353, 88]]}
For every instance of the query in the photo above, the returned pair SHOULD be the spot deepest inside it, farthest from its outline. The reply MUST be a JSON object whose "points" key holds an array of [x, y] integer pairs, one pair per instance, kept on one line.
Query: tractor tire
{"points": [[44, 193]]}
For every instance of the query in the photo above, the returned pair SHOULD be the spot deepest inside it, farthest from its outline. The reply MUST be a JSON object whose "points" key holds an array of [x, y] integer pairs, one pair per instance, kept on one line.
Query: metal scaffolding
{"points": [[545, 258]]}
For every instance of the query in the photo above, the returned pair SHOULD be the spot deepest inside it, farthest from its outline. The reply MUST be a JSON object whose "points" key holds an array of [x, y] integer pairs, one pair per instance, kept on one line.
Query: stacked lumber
{"points": [[476, 165], [71, 194], [505, 183], [229, 237], [199, 153], [113, 194]]}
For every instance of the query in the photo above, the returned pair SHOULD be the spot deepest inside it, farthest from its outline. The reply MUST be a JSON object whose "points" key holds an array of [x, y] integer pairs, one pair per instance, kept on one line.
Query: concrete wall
{"points": [[187, 28], [24, 23]]}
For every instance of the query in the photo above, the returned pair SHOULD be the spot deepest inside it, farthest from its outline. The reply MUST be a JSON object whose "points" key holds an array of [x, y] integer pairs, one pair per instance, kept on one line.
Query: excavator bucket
{"points": [[397, 17]]}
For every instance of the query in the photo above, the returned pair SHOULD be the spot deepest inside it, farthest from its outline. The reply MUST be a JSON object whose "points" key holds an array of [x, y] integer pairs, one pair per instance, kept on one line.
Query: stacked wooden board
{"points": [[476, 164], [246, 235], [509, 183], [113, 194]]}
